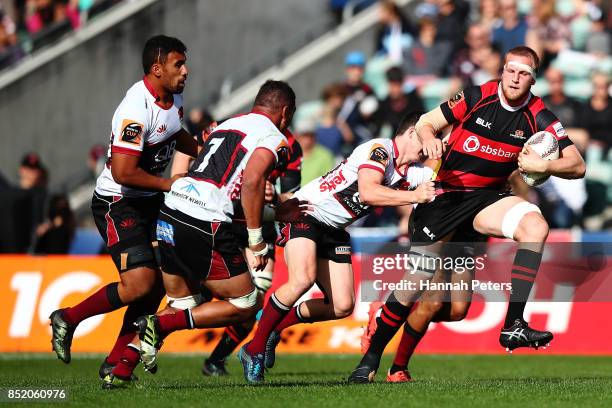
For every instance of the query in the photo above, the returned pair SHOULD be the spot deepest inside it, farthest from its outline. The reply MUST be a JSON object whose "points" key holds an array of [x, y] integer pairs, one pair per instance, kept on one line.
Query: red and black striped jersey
{"points": [[488, 135], [291, 177]]}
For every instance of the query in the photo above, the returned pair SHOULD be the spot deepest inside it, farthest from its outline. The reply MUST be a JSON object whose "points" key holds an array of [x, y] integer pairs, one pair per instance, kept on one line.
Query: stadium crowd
{"points": [[420, 55], [28, 24]]}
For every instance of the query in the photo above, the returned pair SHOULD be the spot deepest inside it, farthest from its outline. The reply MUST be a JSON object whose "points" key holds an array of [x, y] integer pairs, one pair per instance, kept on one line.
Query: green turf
{"points": [[319, 380]]}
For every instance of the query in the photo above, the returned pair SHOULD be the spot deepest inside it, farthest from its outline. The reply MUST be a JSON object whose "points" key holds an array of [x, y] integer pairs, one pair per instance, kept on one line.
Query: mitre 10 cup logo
{"points": [[131, 131]]}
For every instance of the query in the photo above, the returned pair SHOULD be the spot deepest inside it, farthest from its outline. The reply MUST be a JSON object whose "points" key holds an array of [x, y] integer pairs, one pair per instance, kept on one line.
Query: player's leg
{"points": [[432, 307], [336, 281], [396, 309], [235, 334], [516, 219], [133, 255], [301, 259]]}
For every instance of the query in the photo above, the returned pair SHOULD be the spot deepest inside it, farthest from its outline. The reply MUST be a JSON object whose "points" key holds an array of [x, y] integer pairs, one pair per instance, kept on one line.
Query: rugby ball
{"points": [[545, 144]]}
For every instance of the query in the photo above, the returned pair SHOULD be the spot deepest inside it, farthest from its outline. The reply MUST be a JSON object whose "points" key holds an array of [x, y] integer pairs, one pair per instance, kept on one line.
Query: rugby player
{"points": [[194, 231], [491, 124], [318, 248], [287, 182], [146, 129]]}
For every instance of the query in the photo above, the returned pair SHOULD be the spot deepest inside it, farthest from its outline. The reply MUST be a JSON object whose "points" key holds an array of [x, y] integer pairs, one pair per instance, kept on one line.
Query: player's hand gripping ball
{"points": [[544, 145]]}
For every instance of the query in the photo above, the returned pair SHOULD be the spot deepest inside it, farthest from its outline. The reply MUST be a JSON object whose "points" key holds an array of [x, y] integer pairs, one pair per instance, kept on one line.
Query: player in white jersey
{"points": [[194, 231], [146, 129], [380, 172]]}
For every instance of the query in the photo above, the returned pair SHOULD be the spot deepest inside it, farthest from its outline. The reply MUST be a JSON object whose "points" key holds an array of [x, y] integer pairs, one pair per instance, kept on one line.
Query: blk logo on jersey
{"points": [[131, 131], [162, 129], [483, 123]]}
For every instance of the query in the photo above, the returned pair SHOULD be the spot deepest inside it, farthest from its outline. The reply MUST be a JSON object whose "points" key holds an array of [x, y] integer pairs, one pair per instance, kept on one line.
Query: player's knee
{"points": [[430, 308], [532, 228], [246, 306], [344, 308], [132, 290], [458, 311], [301, 284]]}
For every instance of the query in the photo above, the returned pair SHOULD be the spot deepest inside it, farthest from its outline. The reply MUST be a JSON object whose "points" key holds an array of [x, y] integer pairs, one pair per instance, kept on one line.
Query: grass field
{"points": [[319, 380]]}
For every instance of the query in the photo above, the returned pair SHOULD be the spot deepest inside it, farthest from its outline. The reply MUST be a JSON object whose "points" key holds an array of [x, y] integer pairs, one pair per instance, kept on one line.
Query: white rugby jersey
{"points": [[335, 196], [142, 128], [215, 178]]}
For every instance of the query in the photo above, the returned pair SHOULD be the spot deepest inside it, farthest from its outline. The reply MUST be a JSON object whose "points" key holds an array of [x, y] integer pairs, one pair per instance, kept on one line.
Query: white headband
{"points": [[523, 67]]}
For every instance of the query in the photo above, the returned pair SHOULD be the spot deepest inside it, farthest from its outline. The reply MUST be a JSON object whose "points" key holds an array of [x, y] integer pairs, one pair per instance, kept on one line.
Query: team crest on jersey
{"points": [[379, 154], [518, 134], [131, 131], [452, 102]]}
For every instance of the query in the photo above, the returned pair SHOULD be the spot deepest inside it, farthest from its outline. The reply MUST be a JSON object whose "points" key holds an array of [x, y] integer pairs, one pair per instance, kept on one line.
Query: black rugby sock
{"points": [[524, 271], [393, 315]]}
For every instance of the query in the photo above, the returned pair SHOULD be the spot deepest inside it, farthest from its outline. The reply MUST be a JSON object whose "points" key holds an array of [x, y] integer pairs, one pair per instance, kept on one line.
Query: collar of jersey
{"points": [[508, 107], [153, 93], [258, 112]]}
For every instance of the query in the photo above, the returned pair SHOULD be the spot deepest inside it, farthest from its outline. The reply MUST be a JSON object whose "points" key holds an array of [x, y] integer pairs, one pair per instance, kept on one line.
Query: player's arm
{"points": [[372, 192], [125, 171], [252, 197], [427, 127], [570, 164], [186, 143]]}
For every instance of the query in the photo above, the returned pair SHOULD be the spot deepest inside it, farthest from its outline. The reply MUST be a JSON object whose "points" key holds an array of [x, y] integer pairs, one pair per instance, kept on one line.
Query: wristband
{"points": [[263, 252], [255, 236]]}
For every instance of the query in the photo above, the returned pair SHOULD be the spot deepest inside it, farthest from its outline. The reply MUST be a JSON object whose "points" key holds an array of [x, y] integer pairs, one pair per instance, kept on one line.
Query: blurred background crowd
{"points": [[420, 55]]}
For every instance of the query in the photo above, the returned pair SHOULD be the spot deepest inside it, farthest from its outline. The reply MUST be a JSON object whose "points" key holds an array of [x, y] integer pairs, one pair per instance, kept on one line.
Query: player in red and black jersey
{"points": [[279, 187], [491, 124]]}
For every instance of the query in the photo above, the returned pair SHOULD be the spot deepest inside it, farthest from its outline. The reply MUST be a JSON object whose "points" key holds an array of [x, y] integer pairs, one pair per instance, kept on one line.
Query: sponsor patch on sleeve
{"points": [[458, 97], [131, 131], [379, 154], [559, 130], [282, 152]]}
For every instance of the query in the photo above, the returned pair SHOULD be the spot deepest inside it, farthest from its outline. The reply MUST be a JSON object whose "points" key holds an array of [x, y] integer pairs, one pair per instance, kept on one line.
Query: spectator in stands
{"points": [[451, 22], [488, 14], [561, 200], [360, 102], [317, 160], [599, 41], [10, 51], [397, 104], [427, 58], [395, 32], [512, 30], [55, 234], [469, 61], [552, 32], [564, 107], [32, 173], [333, 132], [42, 13], [597, 113]]}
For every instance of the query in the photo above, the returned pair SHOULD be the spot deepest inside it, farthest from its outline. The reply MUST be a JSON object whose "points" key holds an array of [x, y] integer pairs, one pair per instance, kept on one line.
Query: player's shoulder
{"points": [[377, 150], [136, 99], [543, 116]]}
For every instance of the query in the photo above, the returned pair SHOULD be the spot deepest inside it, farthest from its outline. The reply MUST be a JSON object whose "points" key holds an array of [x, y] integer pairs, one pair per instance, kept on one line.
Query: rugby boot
{"points": [[62, 333], [214, 368], [253, 365], [521, 335]]}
